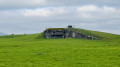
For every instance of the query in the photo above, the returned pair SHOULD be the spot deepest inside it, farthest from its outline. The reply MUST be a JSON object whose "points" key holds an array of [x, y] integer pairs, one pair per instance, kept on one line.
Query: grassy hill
{"points": [[101, 35], [34, 50]]}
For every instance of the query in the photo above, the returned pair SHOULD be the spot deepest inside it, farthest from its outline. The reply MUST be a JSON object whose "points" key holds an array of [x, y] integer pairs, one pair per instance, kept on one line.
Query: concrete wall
{"points": [[67, 33]]}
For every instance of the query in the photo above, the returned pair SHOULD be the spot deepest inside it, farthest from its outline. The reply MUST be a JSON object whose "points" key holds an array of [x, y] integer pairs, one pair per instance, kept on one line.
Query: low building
{"points": [[58, 33]]}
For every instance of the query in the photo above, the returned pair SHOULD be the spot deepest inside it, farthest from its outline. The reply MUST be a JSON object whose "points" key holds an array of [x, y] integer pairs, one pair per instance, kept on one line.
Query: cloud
{"points": [[95, 12], [16, 4], [89, 12], [44, 12], [88, 8], [20, 4], [79, 13], [93, 8], [92, 17]]}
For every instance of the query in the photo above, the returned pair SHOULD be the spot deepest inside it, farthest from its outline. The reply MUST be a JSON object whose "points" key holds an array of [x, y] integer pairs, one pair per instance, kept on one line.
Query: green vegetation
{"points": [[100, 35], [34, 51], [56, 28]]}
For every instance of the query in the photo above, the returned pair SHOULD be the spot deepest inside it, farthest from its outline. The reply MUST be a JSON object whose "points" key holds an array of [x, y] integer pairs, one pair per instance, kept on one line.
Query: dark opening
{"points": [[57, 36]]}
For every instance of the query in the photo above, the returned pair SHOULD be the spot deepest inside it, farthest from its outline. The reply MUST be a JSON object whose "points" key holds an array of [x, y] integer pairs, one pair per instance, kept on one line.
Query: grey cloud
{"points": [[36, 25], [13, 20], [18, 4], [86, 2]]}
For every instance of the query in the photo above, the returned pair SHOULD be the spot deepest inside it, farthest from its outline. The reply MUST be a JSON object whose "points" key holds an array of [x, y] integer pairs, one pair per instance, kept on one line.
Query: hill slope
{"points": [[101, 35], [97, 34], [35, 51]]}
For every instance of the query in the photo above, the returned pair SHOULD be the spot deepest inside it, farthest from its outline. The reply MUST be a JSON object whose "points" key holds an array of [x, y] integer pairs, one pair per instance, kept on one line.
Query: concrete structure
{"points": [[58, 33], [54, 33]]}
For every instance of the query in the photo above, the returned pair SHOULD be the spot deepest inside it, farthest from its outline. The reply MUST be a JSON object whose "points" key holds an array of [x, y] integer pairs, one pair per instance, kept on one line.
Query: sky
{"points": [[34, 16]]}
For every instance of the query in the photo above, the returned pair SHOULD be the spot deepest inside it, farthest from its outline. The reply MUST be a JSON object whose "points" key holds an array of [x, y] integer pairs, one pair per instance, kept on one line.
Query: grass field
{"points": [[32, 51]]}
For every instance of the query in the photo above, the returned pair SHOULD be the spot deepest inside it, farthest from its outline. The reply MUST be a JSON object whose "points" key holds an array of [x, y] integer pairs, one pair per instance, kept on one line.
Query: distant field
{"points": [[31, 51]]}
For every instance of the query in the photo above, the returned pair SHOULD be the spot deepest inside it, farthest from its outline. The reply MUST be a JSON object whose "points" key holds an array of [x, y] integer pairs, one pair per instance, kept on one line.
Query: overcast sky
{"points": [[34, 16]]}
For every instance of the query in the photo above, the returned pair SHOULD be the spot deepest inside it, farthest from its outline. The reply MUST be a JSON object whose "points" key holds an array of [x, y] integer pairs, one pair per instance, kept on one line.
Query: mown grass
{"points": [[35, 51]]}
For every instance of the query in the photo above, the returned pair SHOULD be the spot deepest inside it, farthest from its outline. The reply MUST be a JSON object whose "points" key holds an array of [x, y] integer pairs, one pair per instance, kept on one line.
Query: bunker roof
{"points": [[56, 28]]}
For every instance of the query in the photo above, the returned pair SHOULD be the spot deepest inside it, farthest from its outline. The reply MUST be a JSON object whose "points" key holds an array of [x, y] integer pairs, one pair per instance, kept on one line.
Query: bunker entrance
{"points": [[57, 36]]}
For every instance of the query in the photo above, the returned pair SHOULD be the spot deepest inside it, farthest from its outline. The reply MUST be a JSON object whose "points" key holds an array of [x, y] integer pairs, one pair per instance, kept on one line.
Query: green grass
{"points": [[56, 28], [35, 51]]}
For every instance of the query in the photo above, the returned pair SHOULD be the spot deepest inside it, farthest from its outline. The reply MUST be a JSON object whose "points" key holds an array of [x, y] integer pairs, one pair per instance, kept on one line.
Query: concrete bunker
{"points": [[62, 33], [55, 33]]}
